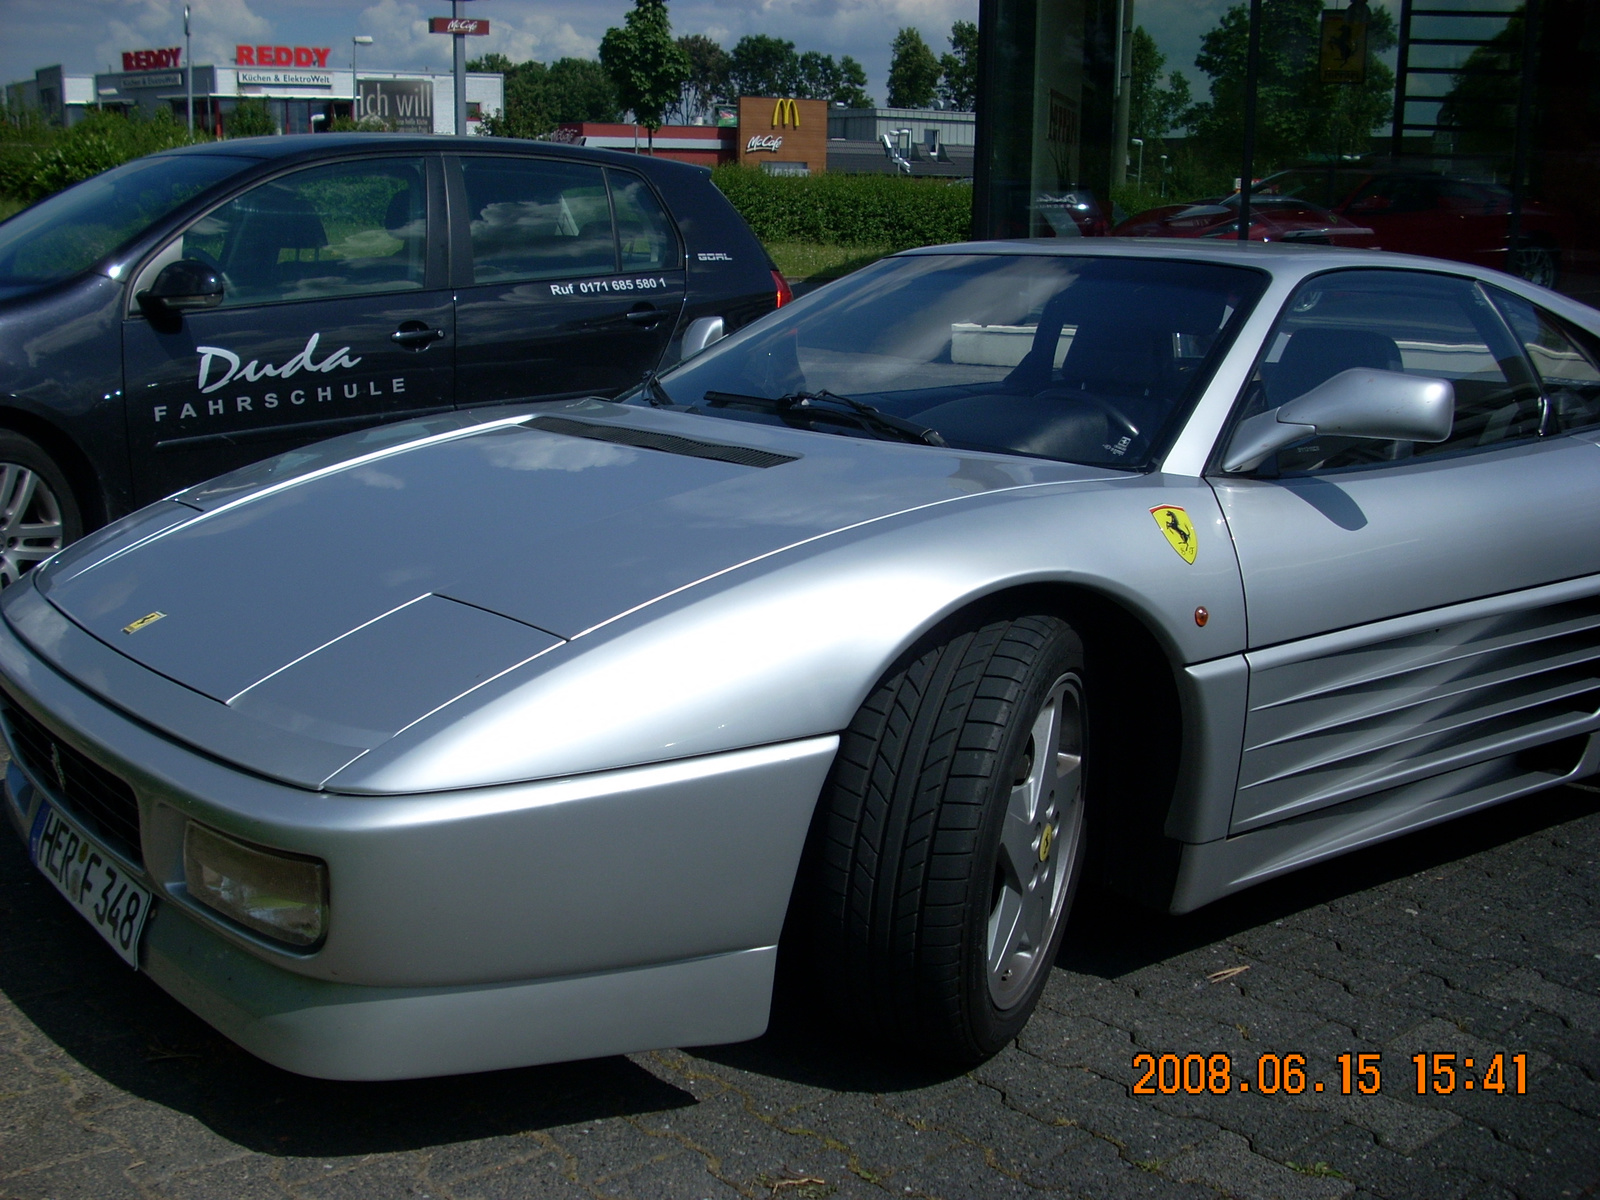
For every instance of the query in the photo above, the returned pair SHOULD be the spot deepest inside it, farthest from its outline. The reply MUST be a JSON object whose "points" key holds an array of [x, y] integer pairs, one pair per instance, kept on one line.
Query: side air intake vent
{"points": [[667, 443]]}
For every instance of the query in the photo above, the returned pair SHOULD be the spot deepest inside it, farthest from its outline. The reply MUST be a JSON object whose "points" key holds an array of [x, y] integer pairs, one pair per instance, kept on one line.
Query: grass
{"points": [[811, 260], [10, 205]]}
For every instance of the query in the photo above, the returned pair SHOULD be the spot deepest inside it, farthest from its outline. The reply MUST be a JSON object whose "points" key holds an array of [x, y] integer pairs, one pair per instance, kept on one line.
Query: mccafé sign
{"points": [[469, 26], [780, 129], [151, 60], [282, 56]]}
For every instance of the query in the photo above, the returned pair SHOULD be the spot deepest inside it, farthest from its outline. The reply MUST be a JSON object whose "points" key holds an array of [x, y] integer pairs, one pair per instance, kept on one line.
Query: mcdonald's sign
{"points": [[783, 135]]}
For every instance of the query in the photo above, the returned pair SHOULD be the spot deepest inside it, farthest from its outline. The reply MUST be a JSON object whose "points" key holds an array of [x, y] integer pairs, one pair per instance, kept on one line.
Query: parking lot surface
{"points": [[1479, 939]]}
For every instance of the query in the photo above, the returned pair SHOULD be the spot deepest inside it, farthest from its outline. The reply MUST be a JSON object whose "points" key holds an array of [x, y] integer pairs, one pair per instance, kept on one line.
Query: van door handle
{"points": [[647, 315], [414, 335]]}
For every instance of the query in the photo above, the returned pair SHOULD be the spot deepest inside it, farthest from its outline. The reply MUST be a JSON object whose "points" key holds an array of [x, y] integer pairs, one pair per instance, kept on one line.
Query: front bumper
{"points": [[468, 930]]}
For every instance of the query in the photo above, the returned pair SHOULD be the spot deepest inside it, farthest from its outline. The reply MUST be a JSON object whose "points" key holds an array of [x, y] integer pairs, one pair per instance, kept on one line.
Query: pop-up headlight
{"points": [[283, 896]]}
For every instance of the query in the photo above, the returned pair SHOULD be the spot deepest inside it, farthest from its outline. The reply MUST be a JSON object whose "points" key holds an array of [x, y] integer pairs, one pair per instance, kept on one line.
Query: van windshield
{"points": [[69, 232]]}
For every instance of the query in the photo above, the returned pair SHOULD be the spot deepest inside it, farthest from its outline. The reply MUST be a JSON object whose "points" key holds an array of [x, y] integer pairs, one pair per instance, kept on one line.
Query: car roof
{"points": [[308, 146]]}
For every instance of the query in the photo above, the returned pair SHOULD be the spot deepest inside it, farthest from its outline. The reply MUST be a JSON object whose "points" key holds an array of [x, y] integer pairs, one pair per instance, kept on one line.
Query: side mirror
{"points": [[1361, 402], [182, 286], [702, 332]]}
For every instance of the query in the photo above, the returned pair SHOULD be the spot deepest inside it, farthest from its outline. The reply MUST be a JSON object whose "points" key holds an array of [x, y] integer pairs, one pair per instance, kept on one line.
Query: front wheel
{"points": [[38, 514], [1536, 263], [951, 839]]}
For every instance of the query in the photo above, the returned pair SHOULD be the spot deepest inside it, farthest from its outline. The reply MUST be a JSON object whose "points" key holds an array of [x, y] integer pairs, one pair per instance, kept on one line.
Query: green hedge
{"points": [[849, 210], [37, 160]]}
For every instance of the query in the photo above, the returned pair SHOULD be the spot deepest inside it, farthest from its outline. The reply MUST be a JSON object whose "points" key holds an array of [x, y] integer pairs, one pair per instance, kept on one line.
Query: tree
{"points": [[851, 91], [763, 66], [913, 71], [958, 87], [707, 83], [1481, 104], [1296, 113], [1153, 110], [250, 118], [820, 78], [645, 64], [492, 64], [538, 98]]}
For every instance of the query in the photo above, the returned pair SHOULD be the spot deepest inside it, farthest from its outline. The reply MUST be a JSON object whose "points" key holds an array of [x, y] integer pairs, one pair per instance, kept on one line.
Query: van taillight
{"points": [[785, 292]]}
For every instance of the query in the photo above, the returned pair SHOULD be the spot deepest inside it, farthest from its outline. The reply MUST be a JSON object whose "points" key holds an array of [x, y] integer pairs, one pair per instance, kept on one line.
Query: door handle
{"points": [[415, 335], [646, 315]]}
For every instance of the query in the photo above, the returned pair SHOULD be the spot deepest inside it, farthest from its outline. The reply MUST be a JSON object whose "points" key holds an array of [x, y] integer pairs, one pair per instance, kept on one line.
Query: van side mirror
{"points": [[181, 286], [1361, 402]]}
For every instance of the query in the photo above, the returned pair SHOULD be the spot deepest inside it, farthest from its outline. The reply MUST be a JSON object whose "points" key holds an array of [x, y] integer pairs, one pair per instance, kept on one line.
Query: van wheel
{"points": [[38, 513], [951, 839]]}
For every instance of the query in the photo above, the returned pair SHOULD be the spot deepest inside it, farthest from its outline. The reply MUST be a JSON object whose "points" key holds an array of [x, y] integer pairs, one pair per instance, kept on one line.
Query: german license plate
{"points": [[91, 880]]}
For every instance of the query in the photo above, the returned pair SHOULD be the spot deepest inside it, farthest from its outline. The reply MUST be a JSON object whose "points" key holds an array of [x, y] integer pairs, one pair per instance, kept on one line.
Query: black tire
{"points": [[912, 855], [38, 512]]}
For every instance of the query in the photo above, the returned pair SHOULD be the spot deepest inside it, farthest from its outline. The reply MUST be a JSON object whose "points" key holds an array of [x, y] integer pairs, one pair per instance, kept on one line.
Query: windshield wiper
{"points": [[655, 395], [805, 404]]}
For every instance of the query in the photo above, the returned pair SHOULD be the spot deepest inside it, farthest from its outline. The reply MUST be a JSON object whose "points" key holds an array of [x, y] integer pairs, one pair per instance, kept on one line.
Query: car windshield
{"points": [[72, 230], [1086, 359]]}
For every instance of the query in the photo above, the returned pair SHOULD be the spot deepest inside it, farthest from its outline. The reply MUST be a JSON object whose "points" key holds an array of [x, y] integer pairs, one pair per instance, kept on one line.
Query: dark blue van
{"points": [[196, 310]]}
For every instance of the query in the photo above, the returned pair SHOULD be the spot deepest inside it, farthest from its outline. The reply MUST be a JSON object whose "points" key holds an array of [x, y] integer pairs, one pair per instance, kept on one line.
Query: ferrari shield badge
{"points": [[1179, 530]]}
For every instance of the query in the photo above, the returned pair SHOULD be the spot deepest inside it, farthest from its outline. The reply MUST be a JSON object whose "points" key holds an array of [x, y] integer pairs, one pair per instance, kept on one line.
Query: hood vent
{"points": [[667, 443]]}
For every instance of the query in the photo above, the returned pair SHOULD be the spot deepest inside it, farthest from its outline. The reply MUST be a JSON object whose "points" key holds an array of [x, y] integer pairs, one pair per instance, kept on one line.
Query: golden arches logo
{"points": [[786, 112]]}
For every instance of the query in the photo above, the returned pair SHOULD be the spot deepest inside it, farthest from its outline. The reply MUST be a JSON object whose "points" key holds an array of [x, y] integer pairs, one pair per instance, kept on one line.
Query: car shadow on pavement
{"points": [[128, 1032], [1110, 936]]}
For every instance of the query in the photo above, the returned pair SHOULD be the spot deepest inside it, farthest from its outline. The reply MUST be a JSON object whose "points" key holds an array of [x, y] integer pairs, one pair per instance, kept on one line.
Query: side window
{"points": [[537, 219], [1421, 324], [1564, 359], [340, 230], [644, 233]]}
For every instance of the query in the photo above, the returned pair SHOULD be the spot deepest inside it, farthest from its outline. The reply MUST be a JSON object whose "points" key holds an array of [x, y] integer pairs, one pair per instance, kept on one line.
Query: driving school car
{"points": [[203, 308], [858, 632]]}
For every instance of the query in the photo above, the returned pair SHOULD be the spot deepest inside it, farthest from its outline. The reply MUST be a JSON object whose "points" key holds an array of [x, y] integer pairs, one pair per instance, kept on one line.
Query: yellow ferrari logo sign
{"points": [[1179, 529], [147, 619]]}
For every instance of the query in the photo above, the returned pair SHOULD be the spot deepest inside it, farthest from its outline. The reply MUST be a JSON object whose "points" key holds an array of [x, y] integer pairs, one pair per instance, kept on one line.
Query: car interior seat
{"points": [[264, 253]]}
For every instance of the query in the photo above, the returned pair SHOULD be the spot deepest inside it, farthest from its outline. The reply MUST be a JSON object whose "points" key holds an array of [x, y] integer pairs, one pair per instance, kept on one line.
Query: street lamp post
{"points": [[360, 39], [1163, 176], [188, 71], [1139, 142]]}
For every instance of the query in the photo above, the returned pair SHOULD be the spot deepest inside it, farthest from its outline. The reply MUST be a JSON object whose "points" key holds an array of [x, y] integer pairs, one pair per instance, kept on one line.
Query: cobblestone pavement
{"points": [[1480, 939]]}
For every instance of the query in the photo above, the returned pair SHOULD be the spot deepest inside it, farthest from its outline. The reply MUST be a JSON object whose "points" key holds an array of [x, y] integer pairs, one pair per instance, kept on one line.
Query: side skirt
{"points": [[1211, 870]]}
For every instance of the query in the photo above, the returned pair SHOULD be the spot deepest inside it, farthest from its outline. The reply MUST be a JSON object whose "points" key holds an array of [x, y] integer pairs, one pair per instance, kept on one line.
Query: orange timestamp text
{"points": [[1356, 1074]]}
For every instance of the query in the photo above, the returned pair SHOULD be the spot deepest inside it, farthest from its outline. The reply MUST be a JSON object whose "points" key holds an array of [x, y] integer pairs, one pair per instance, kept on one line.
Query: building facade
{"points": [[1501, 95]]}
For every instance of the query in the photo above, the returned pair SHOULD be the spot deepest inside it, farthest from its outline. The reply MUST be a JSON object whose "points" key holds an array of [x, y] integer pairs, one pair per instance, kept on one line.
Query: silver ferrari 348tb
{"points": [[517, 735]]}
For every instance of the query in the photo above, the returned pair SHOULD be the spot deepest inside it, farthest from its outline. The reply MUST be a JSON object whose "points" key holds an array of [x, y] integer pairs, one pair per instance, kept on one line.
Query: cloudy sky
{"points": [[89, 35]]}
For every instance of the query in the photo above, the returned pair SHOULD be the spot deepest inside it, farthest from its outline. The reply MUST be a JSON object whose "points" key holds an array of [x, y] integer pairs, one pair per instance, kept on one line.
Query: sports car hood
{"points": [[346, 603]]}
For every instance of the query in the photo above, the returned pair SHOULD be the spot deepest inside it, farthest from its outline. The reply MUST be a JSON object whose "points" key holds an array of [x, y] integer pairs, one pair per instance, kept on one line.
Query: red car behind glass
{"points": [[1413, 212]]}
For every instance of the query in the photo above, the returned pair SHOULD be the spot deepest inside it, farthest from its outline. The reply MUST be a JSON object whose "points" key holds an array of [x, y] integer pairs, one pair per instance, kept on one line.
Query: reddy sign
{"points": [[282, 56], [151, 60]]}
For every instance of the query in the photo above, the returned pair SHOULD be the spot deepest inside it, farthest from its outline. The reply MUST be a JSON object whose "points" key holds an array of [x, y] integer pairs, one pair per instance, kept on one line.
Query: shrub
{"points": [[891, 211], [250, 118], [37, 160]]}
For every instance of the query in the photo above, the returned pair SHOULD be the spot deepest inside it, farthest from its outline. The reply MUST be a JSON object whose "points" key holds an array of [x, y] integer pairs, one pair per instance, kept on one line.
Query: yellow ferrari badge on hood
{"points": [[147, 619], [1179, 529]]}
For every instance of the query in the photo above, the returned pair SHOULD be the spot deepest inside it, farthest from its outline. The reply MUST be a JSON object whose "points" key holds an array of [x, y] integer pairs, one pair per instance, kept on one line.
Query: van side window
{"points": [[537, 219], [340, 230]]}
